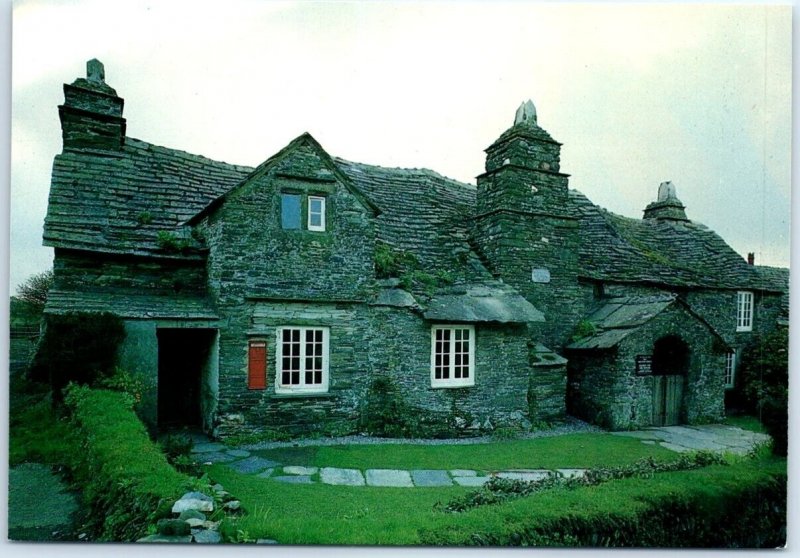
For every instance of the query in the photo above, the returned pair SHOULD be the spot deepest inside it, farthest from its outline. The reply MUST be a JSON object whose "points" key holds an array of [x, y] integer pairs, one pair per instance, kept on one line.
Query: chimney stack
{"points": [[91, 116], [751, 258]]}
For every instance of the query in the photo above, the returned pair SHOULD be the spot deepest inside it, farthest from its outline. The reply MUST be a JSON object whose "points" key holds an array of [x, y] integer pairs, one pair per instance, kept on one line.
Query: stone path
{"points": [[712, 437], [40, 507], [715, 437]]}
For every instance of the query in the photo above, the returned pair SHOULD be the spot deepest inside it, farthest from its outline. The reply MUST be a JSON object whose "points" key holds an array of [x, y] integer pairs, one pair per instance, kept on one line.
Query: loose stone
{"points": [[206, 536], [194, 501]]}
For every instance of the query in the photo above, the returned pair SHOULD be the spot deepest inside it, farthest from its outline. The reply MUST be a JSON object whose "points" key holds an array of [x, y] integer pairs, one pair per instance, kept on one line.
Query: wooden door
{"points": [[667, 400]]}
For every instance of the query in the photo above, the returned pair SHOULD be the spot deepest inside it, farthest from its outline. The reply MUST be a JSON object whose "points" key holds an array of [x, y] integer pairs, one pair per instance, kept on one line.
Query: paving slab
{"points": [[345, 477], [214, 457], [572, 473], [298, 470], [531, 475], [471, 481], [463, 472], [431, 477], [388, 477], [205, 447], [252, 464], [238, 453], [294, 479], [265, 474]]}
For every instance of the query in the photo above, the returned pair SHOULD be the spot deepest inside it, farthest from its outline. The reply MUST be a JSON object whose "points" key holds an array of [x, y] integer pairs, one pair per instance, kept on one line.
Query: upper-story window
{"points": [[452, 356], [291, 206], [292, 210], [744, 311], [316, 213]]}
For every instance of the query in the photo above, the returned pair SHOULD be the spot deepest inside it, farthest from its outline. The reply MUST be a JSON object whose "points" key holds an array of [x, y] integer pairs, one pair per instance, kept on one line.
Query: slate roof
{"points": [[130, 304], [680, 254], [119, 203], [489, 301], [619, 317]]}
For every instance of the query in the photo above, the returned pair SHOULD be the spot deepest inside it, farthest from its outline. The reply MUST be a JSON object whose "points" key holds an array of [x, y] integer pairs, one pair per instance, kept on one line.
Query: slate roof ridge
{"points": [[193, 157], [415, 170]]}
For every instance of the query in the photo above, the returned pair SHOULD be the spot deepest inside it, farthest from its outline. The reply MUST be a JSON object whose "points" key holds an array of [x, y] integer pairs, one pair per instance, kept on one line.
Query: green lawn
{"points": [[570, 451], [746, 422], [341, 515]]}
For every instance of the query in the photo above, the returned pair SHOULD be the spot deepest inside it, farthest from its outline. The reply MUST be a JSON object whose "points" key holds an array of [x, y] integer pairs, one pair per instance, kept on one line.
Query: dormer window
{"points": [[744, 311], [316, 213]]}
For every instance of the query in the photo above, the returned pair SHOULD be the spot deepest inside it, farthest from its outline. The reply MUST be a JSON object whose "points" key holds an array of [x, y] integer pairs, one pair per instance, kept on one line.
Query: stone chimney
{"points": [[667, 207], [91, 116], [751, 258]]}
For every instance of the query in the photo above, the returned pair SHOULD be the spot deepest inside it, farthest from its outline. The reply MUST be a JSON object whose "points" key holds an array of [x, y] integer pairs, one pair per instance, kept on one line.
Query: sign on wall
{"points": [[644, 365], [540, 275]]}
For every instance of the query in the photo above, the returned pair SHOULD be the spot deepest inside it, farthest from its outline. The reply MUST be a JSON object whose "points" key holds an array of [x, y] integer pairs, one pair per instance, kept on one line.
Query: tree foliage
{"points": [[35, 288], [765, 380]]}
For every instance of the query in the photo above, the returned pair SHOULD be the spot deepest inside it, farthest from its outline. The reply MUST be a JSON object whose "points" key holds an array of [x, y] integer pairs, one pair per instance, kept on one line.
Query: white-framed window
{"points": [[452, 356], [744, 311], [730, 369], [302, 359], [316, 213]]}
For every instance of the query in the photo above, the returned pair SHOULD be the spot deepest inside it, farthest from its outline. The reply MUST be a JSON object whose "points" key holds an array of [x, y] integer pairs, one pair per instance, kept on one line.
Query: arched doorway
{"points": [[670, 366]]}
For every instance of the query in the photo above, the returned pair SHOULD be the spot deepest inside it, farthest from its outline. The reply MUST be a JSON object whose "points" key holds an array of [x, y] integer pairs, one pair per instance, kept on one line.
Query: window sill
{"points": [[300, 395], [452, 386]]}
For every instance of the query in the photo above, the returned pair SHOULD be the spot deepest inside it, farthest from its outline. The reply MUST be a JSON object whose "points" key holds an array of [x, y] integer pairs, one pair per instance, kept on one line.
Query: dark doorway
{"points": [[183, 358], [670, 366]]}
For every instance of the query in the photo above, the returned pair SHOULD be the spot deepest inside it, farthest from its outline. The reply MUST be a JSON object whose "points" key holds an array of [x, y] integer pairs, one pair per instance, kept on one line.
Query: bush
{"points": [[127, 481], [79, 347], [765, 384], [740, 506]]}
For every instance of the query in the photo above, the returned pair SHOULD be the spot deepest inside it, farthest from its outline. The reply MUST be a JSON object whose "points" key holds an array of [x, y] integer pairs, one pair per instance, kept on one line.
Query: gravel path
{"points": [[570, 426]]}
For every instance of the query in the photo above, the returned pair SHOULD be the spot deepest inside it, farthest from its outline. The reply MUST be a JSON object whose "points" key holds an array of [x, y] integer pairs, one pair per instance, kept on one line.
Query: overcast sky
{"points": [[638, 94]]}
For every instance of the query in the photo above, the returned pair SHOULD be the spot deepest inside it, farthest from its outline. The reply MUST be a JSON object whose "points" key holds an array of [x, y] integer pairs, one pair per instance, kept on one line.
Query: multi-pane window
{"points": [[290, 210], [744, 311], [302, 359], [730, 369], [316, 213], [452, 356]]}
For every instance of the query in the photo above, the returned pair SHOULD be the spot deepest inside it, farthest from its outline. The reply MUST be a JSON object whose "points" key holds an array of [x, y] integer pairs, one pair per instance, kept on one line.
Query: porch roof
{"points": [[485, 302]]}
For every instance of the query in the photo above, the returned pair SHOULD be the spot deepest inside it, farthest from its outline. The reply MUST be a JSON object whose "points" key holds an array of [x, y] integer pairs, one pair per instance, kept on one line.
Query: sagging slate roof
{"points": [[489, 301], [682, 254], [130, 304], [120, 202], [423, 213], [619, 317]]}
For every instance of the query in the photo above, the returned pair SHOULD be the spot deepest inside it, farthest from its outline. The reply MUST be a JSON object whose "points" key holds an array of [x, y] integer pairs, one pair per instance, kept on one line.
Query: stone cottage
{"points": [[275, 297]]}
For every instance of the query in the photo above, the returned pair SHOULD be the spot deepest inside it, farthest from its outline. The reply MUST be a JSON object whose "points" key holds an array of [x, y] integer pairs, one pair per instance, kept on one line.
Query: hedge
{"points": [[735, 506], [126, 479]]}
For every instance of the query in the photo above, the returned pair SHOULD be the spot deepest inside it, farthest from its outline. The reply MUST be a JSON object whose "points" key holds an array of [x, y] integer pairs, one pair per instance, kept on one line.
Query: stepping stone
{"points": [[253, 464], [294, 479], [207, 447], [238, 453], [471, 481], [298, 470], [265, 474], [388, 477], [429, 477], [463, 472], [206, 536], [194, 501], [572, 473], [533, 475], [346, 477], [215, 457], [166, 539]]}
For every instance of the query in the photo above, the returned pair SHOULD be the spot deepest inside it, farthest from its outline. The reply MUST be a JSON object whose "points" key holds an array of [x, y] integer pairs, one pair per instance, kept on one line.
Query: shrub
{"points": [[765, 380], [126, 382], [78, 347], [35, 288], [390, 262], [127, 481]]}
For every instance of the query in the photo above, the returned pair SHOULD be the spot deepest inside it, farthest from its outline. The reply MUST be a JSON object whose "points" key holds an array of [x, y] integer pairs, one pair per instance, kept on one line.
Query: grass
{"points": [[340, 515], [570, 451], [746, 422]]}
